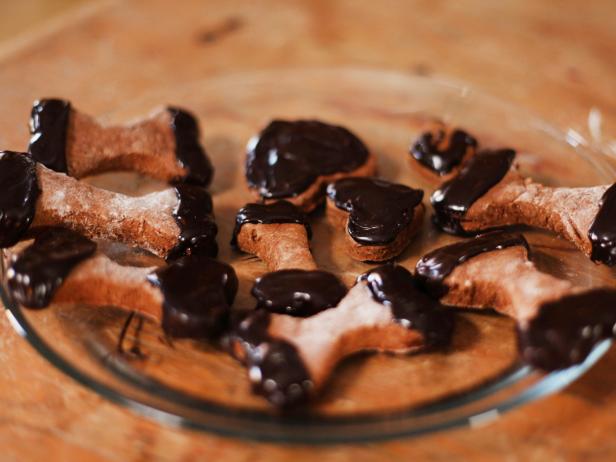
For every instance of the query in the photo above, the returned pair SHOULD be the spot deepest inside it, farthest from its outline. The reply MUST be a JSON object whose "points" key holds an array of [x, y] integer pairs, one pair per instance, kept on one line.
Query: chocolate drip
{"points": [[278, 212], [288, 157], [602, 233], [298, 292], [395, 286], [453, 199], [34, 276], [198, 293], [565, 331], [434, 267], [49, 121], [277, 370], [378, 210], [188, 149], [20, 191], [427, 150], [195, 218]]}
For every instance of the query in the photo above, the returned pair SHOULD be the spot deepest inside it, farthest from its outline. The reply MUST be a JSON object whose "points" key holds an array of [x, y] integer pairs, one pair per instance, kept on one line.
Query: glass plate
{"points": [[370, 397]]}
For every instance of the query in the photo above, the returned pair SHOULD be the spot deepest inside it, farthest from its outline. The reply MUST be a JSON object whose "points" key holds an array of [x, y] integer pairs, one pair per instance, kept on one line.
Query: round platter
{"points": [[188, 383]]}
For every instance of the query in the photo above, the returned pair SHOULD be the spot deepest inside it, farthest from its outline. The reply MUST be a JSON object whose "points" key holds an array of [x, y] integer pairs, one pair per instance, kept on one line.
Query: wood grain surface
{"points": [[555, 59]]}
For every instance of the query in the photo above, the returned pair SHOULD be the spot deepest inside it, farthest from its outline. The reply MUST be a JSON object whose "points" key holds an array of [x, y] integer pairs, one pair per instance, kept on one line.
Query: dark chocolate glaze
{"points": [[378, 210], [276, 369], [395, 286], [602, 232], [188, 149], [195, 218], [434, 267], [442, 161], [197, 293], [453, 199], [277, 212], [35, 274], [49, 121], [288, 156], [565, 331], [19, 193], [298, 292]]}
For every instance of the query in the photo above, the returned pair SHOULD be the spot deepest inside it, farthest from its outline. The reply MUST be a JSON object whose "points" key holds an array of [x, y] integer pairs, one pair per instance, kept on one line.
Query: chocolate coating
{"points": [[276, 369], [602, 233], [19, 193], [278, 212], [35, 274], [48, 130], [395, 286], [427, 151], [298, 292], [188, 149], [565, 331], [198, 293], [195, 218], [378, 210], [288, 156], [453, 199], [434, 267]]}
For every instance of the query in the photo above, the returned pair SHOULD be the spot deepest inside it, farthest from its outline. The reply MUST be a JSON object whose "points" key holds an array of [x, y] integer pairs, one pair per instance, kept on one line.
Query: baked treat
{"points": [[490, 193], [191, 297], [295, 160], [441, 148], [170, 223], [558, 323], [298, 292], [164, 146], [379, 218], [277, 233], [290, 358]]}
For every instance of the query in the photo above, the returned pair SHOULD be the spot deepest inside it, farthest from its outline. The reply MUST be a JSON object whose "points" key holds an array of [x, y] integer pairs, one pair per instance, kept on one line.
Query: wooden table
{"points": [[557, 60]]}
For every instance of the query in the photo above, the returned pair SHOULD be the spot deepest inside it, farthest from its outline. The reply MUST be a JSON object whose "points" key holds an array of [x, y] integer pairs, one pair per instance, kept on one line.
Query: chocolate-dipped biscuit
{"points": [[35, 275], [277, 233], [453, 199], [170, 223], [489, 193], [379, 218], [298, 292], [290, 358], [164, 146], [558, 323], [190, 297], [294, 160], [441, 149]]}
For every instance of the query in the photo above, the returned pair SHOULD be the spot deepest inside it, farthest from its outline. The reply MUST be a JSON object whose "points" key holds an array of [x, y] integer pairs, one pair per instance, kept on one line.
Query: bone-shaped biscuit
{"points": [[190, 297], [558, 323], [441, 148], [169, 223], [379, 218], [296, 160], [290, 358], [164, 146], [277, 233], [489, 193]]}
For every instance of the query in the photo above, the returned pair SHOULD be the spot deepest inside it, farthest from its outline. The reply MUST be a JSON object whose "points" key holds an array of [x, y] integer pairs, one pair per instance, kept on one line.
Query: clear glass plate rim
{"points": [[548, 384]]}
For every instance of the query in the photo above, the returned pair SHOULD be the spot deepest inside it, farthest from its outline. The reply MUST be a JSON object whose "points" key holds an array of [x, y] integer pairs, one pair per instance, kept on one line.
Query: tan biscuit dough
{"points": [[147, 146], [358, 323], [279, 245], [146, 221], [515, 200], [507, 281], [99, 281]]}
